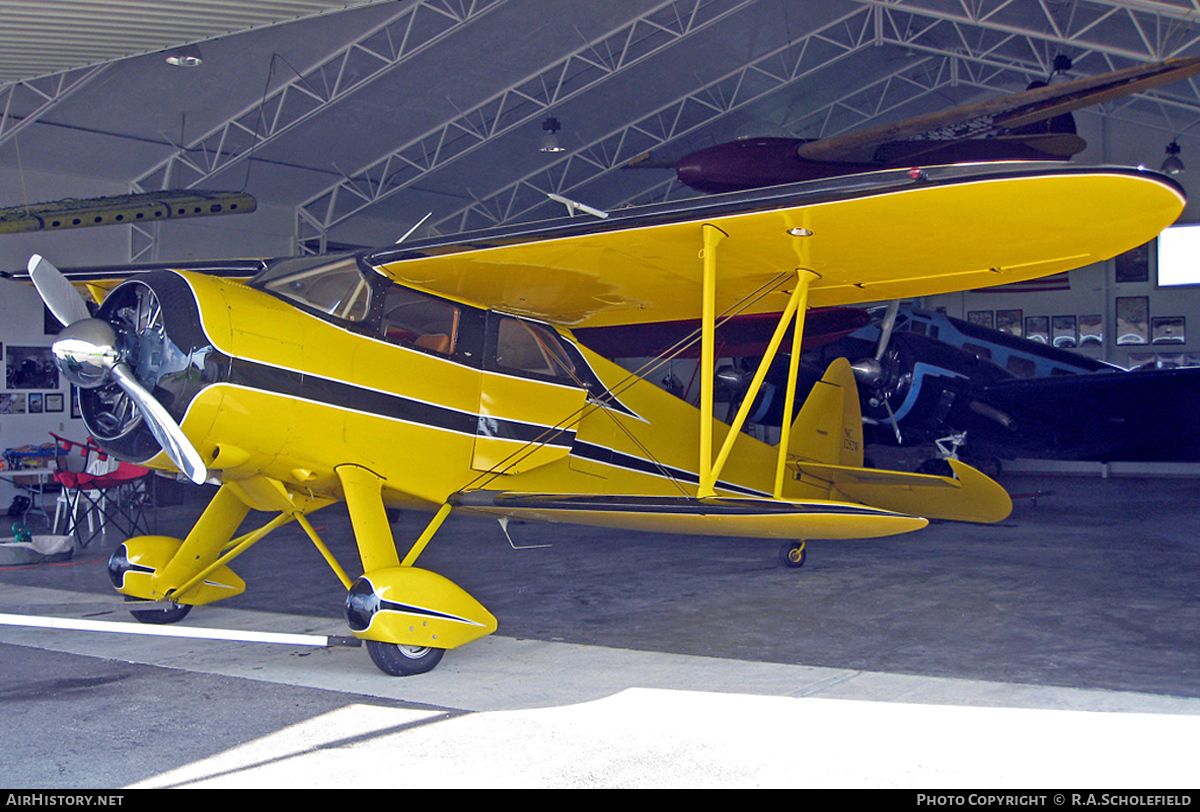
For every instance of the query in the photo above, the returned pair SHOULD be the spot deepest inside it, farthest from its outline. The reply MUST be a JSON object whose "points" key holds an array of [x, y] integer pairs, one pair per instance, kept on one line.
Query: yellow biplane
{"points": [[442, 374]]}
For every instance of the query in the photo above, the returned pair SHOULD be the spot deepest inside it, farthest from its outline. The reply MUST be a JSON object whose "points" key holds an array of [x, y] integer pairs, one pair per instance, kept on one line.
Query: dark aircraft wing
{"points": [[998, 116], [1142, 415]]}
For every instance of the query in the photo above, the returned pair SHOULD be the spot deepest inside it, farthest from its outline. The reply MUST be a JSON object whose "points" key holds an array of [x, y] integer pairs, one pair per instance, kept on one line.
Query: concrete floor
{"points": [[1025, 654]]}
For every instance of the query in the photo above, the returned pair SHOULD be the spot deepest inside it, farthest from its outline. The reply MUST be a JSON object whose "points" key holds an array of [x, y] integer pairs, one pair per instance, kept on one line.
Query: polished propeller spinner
{"points": [[91, 353]]}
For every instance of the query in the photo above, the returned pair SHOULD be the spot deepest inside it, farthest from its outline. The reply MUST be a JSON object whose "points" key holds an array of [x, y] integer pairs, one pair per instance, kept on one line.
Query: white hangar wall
{"points": [[1095, 289], [264, 232]]}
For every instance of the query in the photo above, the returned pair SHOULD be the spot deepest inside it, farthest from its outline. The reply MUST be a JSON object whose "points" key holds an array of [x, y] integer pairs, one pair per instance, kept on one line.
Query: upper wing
{"points": [[871, 237], [995, 116], [97, 281]]}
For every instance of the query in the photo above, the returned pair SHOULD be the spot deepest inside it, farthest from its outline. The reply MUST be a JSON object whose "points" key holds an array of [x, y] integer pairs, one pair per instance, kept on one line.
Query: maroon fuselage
{"points": [[756, 162]]}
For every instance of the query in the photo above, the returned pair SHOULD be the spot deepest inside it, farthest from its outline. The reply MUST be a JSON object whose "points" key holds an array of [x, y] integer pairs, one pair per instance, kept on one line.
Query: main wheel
{"points": [[160, 617], [793, 554], [403, 661]]}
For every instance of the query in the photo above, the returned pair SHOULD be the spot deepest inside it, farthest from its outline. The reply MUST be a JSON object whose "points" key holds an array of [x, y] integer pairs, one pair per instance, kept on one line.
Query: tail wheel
{"points": [[403, 661], [793, 554]]}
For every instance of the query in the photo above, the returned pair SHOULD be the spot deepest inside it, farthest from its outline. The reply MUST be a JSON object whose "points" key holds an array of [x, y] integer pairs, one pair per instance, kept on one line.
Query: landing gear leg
{"points": [[408, 616], [793, 553]]}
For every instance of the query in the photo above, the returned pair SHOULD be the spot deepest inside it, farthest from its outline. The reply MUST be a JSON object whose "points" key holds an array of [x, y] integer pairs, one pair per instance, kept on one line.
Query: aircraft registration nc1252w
{"points": [[443, 375]]}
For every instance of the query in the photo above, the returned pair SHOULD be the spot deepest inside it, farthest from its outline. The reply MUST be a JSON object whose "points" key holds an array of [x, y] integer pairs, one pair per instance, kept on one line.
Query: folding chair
{"points": [[70, 466], [109, 493]]}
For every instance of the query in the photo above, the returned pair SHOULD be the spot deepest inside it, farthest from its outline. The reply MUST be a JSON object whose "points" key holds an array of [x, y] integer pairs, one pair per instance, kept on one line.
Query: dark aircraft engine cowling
{"points": [[920, 380]]}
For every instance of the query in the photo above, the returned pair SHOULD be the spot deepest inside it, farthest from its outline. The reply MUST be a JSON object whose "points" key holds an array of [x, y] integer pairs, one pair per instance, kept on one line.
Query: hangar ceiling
{"points": [[365, 117]]}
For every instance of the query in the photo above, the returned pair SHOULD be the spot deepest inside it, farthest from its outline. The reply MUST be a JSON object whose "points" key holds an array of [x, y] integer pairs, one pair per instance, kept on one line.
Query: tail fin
{"points": [[828, 429]]}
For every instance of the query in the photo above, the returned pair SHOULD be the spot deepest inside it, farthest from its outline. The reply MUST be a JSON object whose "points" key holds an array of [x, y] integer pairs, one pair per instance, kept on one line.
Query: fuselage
{"points": [[289, 379], [753, 163]]}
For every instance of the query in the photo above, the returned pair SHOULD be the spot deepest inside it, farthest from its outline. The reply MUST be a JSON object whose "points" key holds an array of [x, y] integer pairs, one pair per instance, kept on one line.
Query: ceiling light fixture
{"points": [[550, 139], [1058, 74], [1173, 165], [185, 56]]}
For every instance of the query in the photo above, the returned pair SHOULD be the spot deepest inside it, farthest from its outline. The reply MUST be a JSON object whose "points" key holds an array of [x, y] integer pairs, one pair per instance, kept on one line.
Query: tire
{"points": [[403, 661], [160, 617], [793, 554]]}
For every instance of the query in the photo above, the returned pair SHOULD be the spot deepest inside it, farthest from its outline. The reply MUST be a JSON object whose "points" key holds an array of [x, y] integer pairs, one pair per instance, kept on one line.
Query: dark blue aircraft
{"points": [[983, 393], [938, 377]]}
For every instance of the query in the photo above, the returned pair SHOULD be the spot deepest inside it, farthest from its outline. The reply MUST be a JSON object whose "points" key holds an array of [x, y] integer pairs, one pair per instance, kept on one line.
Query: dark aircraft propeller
{"points": [[876, 373], [91, 353]]}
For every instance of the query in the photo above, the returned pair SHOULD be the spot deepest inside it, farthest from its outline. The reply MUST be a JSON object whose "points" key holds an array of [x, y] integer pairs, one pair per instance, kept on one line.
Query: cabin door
{"points": [[530, 400]]}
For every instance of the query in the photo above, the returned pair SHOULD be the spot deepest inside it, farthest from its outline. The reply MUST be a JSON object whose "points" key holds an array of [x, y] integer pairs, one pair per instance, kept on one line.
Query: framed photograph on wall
{"points": [[1011, 322], [1133, 320], [36, 402], [983, 318], [76, 412], [54, 401], [1037, 328], [31, 368], [1064, 332], [1133, 265], [1167, 330], [12, 403], [1091, 330]]}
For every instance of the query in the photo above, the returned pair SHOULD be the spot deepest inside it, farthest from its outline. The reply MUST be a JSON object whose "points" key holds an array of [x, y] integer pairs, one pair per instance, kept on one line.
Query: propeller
{"points": [[57, 292], [870, 371], [87, 353]]}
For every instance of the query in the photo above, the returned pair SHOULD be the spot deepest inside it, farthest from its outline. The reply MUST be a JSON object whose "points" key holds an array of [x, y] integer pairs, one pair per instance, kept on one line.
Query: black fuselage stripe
{"points": [[255, 375], [260, 376], [290, 383], [609, 456]]}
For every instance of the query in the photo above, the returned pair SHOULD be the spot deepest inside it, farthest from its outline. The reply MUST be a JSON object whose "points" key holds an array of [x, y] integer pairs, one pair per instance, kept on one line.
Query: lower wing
{"points": [[715, 516]]}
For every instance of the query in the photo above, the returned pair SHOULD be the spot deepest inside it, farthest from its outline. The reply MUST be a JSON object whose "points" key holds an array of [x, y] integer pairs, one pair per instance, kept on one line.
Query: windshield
{"points": [[330, 284]]}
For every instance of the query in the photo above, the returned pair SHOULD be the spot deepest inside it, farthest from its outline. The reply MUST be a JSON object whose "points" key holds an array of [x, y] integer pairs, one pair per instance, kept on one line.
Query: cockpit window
{"points": [[410, 317], [331, 285], [529, 347]]}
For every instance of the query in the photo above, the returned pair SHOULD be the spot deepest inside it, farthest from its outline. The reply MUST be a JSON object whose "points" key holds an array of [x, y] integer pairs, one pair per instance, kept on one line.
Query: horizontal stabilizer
{"points": [[967, 496], [826, 450], [714, 516]]}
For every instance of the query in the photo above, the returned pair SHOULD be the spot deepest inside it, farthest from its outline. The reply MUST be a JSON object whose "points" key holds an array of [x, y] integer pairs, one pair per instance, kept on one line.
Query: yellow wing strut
{"points": [[803, 281], [708, 317], [710, 470]]}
